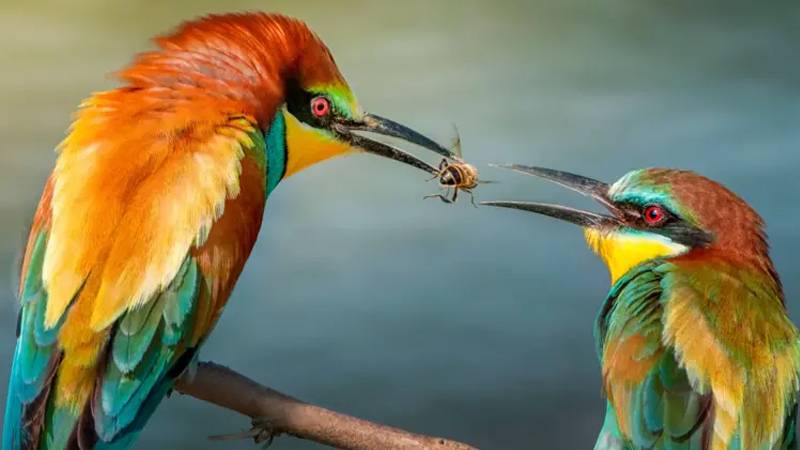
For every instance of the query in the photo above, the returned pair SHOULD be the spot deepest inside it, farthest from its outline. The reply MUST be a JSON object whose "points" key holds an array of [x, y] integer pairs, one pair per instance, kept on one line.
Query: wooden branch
{"points": [[274, 413]]}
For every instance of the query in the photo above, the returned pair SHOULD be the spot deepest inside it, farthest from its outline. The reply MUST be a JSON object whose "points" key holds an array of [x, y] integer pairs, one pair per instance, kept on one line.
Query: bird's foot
{"points": [[261, 432], [266, 431]]}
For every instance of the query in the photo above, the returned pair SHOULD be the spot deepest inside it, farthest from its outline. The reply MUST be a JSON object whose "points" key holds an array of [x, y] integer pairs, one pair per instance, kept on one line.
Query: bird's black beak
{"points": [[380, 125], [583, 185]]}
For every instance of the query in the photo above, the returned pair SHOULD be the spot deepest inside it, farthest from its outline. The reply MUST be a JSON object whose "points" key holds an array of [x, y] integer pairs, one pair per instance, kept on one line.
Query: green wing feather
{"points": [[659, 407], [34, 358], [145, 346]]}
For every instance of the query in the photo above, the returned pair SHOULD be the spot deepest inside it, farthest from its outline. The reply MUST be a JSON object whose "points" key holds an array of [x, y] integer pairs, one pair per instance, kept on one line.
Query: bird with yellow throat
{"points": [[151, 211], [695, 346]]}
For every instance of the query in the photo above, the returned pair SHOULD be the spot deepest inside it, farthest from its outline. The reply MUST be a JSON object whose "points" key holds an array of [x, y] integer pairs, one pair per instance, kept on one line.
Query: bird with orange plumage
{"points": [[151, 212]]}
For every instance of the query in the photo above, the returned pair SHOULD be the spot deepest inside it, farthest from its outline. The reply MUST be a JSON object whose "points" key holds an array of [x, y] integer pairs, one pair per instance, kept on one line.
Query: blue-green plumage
{"points": [[276, 151], [142, 352], [144, 349], [33, 354], [662, 410]]}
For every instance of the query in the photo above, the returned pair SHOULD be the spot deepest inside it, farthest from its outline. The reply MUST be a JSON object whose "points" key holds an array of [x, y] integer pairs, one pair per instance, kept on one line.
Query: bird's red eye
{"points": [[654, 215], [320, 106]]}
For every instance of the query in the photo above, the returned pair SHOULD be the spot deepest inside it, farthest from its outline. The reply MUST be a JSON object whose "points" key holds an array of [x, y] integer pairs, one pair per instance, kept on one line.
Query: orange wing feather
{"points": [[129, 204]]}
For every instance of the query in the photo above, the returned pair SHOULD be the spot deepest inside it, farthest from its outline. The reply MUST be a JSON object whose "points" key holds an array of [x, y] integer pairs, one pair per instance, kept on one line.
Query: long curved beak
{"points": [[583, 185], [380, 125]]}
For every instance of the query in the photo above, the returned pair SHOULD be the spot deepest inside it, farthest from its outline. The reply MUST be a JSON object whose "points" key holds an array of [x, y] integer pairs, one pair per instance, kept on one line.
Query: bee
{"points": [[456, 175]]}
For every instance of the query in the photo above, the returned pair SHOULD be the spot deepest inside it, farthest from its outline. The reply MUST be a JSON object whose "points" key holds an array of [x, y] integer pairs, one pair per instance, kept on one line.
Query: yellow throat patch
{"points": [[307, 146], [622, 251]]}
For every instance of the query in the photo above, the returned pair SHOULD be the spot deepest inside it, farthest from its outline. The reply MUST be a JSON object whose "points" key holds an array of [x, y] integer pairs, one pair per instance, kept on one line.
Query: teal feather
{"points": [[32, 284], [664, 412], [276, 151], [144, 348], [60, 422], [32, 360], [653, 407], [790, 432], [135, 333], [178, 303], [125, 440], [120, 385], [13, 434], [34, 350], [133, 407], [123, 393], [610, 437]]}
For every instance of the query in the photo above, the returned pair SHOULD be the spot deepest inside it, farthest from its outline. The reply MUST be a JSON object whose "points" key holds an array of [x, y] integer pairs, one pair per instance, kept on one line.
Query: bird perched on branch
{"points": [[152, 209], [696, 349]]}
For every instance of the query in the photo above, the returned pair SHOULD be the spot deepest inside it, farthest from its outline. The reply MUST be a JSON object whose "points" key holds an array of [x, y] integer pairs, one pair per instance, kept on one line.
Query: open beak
{"points": [[583, 185], [379, 125]]}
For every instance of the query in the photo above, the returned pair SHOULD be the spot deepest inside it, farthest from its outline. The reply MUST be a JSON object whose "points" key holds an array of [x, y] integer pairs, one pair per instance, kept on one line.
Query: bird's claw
{"points": [[266, 431], [261, 432]]}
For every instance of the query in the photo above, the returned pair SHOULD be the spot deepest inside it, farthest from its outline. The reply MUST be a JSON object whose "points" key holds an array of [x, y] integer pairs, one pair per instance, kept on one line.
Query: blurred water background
{"points": [[359, 296]]}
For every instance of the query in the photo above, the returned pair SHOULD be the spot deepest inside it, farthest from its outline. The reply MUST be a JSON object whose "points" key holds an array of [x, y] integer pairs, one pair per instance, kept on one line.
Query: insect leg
{"points": [[471, 197], [439, 196], [442, 166]]}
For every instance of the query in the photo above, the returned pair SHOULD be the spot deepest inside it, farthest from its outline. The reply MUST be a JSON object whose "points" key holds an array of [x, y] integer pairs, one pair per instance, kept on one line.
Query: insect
{"points": [[456, 175]]}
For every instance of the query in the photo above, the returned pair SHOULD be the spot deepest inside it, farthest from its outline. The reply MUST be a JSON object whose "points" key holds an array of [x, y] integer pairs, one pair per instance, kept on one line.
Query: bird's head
{"points": [[275, 70], [654, 213], [320, 117]]}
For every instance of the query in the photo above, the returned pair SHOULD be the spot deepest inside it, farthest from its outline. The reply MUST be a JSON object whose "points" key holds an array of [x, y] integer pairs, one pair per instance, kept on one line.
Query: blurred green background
{"points": [[360, 296]]}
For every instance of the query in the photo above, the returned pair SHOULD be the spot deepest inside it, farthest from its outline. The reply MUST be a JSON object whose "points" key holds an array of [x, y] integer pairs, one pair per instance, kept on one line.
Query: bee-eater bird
{"points": [[696, 349], [151, 211]]}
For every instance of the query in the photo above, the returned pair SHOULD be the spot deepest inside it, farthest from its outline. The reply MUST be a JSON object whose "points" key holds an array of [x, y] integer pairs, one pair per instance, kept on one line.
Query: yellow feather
{"points": [[307, 146], [622, 251], [706, 361], [750, 397], [172, 209], [128, 206], [74, 385]]}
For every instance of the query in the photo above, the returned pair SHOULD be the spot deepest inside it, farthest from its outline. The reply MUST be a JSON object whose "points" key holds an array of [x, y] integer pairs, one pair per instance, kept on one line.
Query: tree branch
{"points": [[280, 413]]}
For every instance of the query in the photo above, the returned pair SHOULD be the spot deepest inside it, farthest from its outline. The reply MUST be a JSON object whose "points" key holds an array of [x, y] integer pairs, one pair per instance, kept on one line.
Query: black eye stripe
{"points": [[637, 210], [672, 225], [298, 102]]}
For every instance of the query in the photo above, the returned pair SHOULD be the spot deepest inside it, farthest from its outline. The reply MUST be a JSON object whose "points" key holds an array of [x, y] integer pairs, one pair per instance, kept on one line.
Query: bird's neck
{"points": [[755, 267], [623, 251], [309, 146], [277, 154]]}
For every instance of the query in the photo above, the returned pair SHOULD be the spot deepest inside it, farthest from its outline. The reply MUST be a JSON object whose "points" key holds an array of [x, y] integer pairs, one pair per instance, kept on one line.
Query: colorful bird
{"points": [[696, 349], [152, 209]]}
